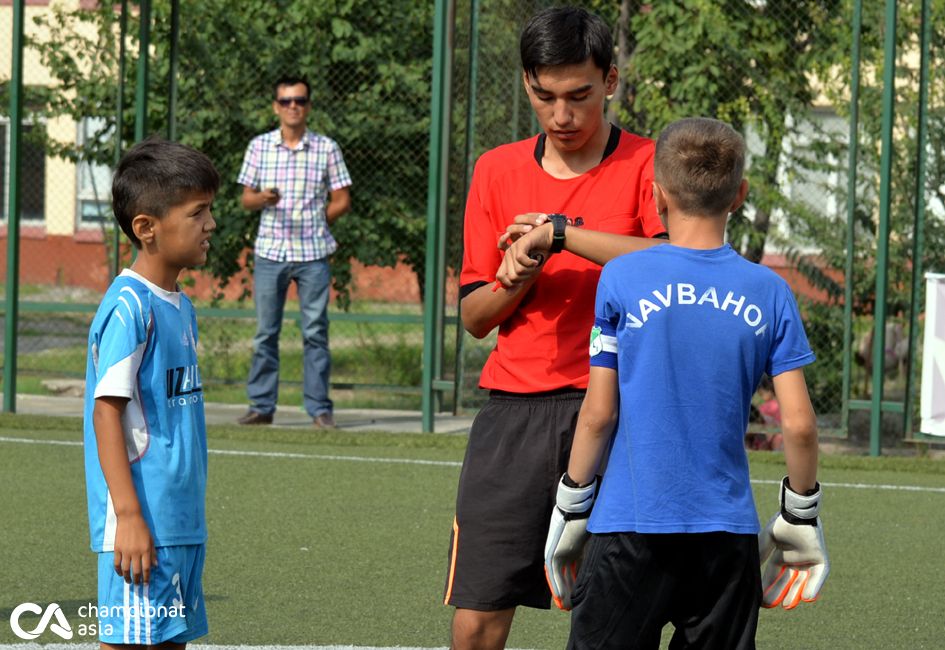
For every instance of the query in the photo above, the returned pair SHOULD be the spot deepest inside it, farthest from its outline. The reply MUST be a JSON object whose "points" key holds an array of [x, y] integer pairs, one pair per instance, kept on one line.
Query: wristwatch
{"points": [[558, 223]]}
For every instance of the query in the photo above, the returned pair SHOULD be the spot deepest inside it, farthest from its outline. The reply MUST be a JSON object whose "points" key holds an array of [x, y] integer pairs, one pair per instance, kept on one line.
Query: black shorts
{"points": [[518, 448], [708, 585]]}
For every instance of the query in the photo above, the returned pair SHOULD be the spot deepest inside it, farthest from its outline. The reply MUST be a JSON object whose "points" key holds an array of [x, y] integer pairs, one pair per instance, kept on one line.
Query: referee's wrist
{"points": [[549, 234]]}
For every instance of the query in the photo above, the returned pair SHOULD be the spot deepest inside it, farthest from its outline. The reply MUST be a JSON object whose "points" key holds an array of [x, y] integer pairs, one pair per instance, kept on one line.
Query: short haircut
{"points": [[701, 163], [565, 36], [154, 176], [291, 80]]}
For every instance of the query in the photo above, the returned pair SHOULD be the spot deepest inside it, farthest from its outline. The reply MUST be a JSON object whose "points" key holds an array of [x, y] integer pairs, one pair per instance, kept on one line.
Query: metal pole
{"points": [[435, 196], [918, 243], [172, 81], [120, 117], [439, 297], [853, 156], [141, 91], [12, 316], [469, 158], [882, 235]]}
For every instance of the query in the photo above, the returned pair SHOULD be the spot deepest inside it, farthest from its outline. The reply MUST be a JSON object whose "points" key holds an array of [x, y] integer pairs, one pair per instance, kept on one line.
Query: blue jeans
{"points": [[270, 284]]}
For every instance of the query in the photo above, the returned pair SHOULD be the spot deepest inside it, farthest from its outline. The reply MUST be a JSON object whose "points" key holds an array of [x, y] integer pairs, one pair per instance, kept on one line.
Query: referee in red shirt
{"points": [[590, 181]]}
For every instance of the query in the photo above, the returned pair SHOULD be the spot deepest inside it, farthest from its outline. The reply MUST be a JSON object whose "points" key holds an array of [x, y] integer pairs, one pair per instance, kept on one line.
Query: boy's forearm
{"points": [[800, 456], [799, 428], [595, 425], [113, 455]]}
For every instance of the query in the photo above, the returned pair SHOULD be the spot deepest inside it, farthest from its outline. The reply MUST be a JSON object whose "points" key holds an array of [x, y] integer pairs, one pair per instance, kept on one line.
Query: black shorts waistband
{"points": [[557, 394]]}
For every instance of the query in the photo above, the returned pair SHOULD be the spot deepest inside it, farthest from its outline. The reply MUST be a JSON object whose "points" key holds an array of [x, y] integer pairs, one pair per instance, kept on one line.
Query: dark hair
{"points": [[290, 80], [565, 36], [154, 176], [701, 163]]}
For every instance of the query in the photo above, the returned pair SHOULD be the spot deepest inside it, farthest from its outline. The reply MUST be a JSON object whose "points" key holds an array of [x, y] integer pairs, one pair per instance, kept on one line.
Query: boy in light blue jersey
{"points": [[683, 334], [145, 438]]}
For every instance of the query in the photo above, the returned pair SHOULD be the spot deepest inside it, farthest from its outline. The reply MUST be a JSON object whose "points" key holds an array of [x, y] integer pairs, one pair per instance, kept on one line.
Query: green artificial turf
{"points": [[310, 548]]}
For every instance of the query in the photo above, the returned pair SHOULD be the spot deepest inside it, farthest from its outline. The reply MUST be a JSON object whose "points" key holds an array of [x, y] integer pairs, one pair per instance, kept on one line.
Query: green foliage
{"points": [[759, 64], [824, 325], [812, 226], [368, 64], [747, 63]]}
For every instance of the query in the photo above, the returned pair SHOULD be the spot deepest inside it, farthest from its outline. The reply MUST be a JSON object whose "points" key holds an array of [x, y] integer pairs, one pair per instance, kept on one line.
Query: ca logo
{"points": [[60, 627]]}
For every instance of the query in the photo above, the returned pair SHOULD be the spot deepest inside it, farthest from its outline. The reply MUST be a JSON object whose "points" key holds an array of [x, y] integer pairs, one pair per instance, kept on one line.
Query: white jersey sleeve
{"points": [[117, 353]]}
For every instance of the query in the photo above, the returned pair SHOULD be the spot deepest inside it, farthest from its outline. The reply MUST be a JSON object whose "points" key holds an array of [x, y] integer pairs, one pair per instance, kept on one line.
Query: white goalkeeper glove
{"points": [[793, 545], [567, 535]]}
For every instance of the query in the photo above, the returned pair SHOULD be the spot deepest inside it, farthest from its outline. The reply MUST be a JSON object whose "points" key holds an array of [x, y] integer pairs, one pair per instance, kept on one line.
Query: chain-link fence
{"points": [[779, 72]]}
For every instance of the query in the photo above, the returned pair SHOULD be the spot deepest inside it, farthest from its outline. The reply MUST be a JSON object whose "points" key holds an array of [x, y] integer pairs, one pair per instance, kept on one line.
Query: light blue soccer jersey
{"points": [[142, 346], [690, 333]]}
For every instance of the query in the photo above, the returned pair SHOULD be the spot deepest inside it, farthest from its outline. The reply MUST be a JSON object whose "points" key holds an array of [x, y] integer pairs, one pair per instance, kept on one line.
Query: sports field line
{"points": [[266, 454], [453, 463]]}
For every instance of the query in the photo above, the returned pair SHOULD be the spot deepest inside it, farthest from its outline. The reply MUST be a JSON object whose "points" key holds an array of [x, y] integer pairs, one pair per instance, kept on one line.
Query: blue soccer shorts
{"points": [[169, 608]]}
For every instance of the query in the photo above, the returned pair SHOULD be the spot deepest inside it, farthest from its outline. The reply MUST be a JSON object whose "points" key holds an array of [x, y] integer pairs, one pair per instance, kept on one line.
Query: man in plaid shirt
{"points": [[299, 180]]}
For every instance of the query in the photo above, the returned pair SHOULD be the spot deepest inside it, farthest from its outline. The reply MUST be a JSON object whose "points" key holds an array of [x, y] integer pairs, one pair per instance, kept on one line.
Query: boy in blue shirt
{"points": [[683, 333], [145, 438]]}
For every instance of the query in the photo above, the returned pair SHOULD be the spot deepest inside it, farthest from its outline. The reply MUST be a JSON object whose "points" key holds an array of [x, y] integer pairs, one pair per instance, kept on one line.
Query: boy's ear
{"points": [[143, 228], [659, 198], [740, 196]]}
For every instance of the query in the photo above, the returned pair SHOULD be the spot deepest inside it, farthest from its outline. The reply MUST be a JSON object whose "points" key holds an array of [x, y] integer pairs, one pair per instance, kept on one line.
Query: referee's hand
{"points": [[521, 225]]}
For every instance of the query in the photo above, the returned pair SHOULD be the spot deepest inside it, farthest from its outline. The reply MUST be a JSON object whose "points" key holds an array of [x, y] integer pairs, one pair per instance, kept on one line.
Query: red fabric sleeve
{"points": [[649, 218], [481, 256]]}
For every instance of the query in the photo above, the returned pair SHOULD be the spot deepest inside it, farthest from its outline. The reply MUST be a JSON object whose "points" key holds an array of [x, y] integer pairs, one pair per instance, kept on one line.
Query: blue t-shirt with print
{"points": [[690, 333], [142, 347]]}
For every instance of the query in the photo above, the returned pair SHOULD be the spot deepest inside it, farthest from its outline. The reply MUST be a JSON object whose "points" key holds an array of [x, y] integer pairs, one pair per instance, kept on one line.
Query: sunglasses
{"points": [[288, 101]]}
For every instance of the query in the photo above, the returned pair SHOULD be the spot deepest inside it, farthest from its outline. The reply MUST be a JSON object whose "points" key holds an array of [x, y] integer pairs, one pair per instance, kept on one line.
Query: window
{"points": [[94, 184], [32, 174]]}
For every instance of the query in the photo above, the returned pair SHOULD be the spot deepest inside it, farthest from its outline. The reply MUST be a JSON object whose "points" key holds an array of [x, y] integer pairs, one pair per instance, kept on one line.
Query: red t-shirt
{"points": [[544, 344]]}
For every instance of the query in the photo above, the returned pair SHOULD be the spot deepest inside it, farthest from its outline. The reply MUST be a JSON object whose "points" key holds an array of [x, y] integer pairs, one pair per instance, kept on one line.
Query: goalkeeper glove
{"points": [[567, 535], [793, 545]]}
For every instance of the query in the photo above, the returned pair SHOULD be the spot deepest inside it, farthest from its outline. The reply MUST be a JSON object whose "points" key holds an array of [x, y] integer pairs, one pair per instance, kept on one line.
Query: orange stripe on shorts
{"points": [[449, 584]]}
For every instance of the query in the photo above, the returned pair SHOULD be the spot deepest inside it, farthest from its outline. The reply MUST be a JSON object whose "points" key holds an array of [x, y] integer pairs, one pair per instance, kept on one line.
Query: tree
{"points": [[369, 66], [747, 63]]}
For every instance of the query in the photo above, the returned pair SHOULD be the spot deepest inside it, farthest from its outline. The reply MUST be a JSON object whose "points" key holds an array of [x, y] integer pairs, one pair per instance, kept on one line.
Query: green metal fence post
{"points": [[120, 117], [469, 160], [12, 316], [172, 72], [436, 194], [882, 235], [918, 238], [853, 157], [439, 308], [141, 91]]}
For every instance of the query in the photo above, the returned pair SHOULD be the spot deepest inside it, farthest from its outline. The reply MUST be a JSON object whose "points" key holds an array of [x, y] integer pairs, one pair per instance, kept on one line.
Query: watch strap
{"points": [[558, 223]]}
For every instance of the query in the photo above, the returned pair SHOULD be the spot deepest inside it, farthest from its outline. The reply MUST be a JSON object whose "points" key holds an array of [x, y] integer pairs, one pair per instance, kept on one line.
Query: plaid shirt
{"points": [[296, 228]]}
